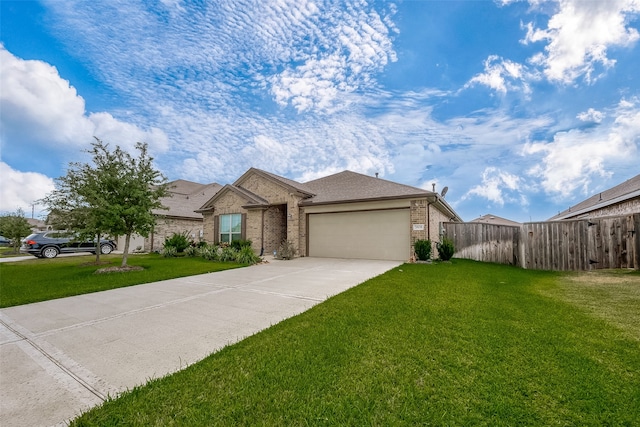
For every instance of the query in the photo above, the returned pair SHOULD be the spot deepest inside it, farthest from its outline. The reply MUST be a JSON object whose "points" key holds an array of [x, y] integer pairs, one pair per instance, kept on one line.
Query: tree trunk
{"points": [[98, 248], [125, 253]]}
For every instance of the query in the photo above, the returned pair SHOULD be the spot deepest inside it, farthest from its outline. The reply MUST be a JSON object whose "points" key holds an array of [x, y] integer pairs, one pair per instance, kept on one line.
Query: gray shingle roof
{"points": [[615, 194], [185, 197], [496, 220], [350, 186]]}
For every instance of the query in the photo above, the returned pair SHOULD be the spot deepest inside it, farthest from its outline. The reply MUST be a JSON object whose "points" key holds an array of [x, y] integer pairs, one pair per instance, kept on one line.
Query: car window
{"points": [[58, 235]]}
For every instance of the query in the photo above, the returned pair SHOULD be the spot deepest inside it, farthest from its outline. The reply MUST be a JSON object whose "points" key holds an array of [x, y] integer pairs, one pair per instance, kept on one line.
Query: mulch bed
{"points": [[119, 269]]}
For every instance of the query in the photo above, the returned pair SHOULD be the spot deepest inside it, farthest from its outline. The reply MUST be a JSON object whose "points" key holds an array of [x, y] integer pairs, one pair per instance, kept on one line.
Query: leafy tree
{"points": [[115, 195], [15, 227]]}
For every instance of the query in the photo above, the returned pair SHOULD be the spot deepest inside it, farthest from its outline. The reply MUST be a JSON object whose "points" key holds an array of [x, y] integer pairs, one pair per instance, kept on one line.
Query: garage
{"points": [[376, 234]]}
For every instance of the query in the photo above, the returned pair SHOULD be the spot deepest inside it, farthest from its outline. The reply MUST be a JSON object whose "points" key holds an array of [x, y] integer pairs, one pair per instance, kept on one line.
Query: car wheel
{"points": [[50, 252], [105, 249]]}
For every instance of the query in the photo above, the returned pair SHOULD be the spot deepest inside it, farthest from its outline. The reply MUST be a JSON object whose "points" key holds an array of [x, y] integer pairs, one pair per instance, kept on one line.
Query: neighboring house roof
{"points": [[185, 198], [37, 224], [618, 194], [496, 220]]}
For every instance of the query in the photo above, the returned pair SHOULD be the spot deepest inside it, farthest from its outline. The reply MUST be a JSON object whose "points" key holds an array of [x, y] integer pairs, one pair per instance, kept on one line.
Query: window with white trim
{"points": [[230, 227]]}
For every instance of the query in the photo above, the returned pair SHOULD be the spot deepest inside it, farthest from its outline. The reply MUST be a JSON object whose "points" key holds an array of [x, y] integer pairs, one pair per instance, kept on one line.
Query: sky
{"points": [[520, 108]]}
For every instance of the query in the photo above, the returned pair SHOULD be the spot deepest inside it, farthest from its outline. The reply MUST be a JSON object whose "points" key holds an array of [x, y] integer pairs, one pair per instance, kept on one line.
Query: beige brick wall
{"points": [[424, 213], [165, 227], [275, 194], [275, 228], [624, 208]]}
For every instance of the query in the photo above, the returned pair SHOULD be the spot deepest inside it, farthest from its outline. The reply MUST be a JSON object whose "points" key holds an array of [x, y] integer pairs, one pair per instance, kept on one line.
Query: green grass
{"points": [[8, 251], [444, 344], [42, 279]]}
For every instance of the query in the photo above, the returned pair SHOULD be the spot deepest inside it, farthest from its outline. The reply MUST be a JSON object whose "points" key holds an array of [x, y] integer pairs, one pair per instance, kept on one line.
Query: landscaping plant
{"points": [[287, 250], [179, 241], [423, 249], [446, 249]]}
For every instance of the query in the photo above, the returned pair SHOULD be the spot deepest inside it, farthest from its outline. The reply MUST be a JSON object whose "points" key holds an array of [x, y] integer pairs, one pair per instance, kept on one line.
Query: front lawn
{"points": [[465, 343], [44, 279]]}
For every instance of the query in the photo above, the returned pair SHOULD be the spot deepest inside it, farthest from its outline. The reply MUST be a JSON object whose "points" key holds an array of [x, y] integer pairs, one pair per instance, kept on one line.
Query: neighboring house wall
{"points": [[166, 227], [623, 208]]}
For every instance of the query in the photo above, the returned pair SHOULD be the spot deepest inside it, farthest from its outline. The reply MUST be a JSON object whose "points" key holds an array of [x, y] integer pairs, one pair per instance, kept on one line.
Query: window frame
{"points": [[230, 235]]}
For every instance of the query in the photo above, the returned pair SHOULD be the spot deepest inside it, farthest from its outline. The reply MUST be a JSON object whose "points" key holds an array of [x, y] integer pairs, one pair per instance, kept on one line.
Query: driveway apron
{"points": [[61, 357]]}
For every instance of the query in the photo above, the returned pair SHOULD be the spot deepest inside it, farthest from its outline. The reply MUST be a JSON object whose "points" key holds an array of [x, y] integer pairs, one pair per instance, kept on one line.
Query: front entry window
{"points": [[230, 227]]}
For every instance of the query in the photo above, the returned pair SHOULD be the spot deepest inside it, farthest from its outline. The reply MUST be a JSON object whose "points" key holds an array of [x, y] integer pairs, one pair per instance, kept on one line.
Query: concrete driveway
{"points": [[61, 357]]}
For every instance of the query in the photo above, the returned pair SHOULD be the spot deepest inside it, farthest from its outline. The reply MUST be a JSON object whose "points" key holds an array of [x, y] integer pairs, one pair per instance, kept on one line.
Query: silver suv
{"points": [[49, 244]]}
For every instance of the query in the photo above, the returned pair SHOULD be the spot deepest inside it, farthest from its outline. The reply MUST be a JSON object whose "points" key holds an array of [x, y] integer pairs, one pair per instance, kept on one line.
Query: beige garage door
{"points": [[380, 234]]}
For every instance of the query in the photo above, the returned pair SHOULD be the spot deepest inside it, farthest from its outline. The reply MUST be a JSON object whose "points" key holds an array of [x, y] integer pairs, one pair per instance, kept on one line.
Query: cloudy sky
{"points": [[521, 108]]}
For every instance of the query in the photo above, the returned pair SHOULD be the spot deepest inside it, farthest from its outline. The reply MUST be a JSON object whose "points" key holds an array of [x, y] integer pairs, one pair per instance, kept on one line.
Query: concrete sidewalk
{"points": [[60, 357]]}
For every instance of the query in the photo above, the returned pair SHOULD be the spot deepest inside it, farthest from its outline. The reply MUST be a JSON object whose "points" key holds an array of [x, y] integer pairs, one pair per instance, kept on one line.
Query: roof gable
{"points": [[251, 198], [282, 181]]}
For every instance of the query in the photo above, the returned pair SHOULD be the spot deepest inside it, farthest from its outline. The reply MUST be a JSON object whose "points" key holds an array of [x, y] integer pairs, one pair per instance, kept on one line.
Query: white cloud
{"points": [[19, 190], [591, 115], [578, 36], [503, 75], [497, 186], [38, 105], [573, 159]]}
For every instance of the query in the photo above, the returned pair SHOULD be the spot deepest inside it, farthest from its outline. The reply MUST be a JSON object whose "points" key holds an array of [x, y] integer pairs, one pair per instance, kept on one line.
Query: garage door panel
{"points": [[367, 235]]}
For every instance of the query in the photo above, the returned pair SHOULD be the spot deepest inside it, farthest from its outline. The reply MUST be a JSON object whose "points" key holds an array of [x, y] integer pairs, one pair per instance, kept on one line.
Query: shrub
{"points": [[239, 244], [446, 249], [209, 252], [192, 251], [286, 250], [169, 252], [179, 241], [226, 253], [246, 256], [423, 249]]}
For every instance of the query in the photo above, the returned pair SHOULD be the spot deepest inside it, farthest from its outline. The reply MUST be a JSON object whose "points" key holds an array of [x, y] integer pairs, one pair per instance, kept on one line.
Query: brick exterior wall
{"points": [[428, 215], [625, 208], [165, 227], [276, 194]]}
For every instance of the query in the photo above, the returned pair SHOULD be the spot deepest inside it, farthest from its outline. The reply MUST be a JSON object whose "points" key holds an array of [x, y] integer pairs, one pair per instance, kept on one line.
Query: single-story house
{"points": [[496, 220], [622, 199], [345, 215], [184, 198]]}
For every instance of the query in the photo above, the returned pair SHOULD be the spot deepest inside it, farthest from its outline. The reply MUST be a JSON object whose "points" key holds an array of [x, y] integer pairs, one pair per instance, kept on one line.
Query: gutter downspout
{"points": [[262, 235]]}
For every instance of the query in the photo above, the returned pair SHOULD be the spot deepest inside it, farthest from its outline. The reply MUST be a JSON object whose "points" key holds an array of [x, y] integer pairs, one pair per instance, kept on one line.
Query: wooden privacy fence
{"points": [[597, 243]]}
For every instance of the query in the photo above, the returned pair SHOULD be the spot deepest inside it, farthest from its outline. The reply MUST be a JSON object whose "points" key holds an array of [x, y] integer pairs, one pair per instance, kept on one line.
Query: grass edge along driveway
{"points": [[465, 343], [45, 279]]}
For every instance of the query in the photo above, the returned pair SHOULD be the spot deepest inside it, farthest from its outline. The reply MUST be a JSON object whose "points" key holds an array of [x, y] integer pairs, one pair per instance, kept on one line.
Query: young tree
{"points": [[15, 227], [133, 190], [114, 195]]}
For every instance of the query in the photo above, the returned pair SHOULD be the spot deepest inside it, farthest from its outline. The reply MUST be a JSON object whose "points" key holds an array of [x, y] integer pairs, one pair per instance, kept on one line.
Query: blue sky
{"points": [[521, 108]]}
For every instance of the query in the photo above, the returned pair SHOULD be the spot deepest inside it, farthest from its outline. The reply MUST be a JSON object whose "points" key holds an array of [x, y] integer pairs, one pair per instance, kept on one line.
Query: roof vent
{"points": [[376, 174], [433, 186]]}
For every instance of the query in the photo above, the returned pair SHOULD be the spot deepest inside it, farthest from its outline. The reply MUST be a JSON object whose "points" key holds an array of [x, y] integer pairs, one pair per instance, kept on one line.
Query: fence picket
{"points": [[587, 244]]}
